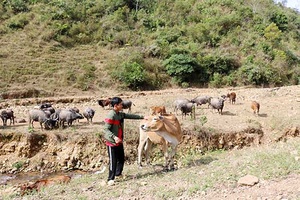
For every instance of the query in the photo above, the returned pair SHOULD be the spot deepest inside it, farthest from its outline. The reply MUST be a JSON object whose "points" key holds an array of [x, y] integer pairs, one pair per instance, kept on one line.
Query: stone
{"points": [[248, 180]]}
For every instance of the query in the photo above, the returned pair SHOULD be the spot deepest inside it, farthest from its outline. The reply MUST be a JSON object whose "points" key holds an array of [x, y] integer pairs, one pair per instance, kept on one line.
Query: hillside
{"points": [[67, 47]]}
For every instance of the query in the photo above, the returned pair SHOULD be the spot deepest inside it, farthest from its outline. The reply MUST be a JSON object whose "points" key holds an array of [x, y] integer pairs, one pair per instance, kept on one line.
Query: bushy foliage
{"points": [[280, 20], [131, 73], [180, 67], [193, 42], [16, 6], [273, 34], [256, 74]]}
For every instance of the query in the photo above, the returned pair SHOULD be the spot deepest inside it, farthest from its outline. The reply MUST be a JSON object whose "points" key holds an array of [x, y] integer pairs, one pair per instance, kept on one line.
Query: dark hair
{"points": [[115, 100]]}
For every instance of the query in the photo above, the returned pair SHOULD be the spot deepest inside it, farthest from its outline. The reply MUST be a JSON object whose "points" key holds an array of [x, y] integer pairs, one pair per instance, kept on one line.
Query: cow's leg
{"points": [[148, 150], [166, 153], [175, 110], [41, 124], [69, 123], [142, 142], [172, 155]]}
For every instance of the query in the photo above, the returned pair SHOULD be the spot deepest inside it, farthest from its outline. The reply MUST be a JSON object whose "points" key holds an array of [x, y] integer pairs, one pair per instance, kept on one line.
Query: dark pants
{"points": [[116, 161]]}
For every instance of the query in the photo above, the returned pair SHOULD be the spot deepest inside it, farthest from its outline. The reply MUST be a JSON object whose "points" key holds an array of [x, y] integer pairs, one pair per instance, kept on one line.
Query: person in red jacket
{"points": [[113, 135]]}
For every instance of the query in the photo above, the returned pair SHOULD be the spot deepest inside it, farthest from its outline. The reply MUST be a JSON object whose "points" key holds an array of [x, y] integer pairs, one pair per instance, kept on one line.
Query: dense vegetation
{"points": [[148, 44]]}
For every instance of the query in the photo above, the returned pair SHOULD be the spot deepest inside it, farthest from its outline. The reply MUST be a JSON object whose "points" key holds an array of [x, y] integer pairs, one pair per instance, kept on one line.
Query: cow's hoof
{"points": [[172, 168], [165, 169]]}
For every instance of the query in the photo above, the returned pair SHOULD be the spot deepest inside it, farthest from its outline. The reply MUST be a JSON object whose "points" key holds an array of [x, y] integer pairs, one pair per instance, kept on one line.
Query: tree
{"points": [[272, 33]]}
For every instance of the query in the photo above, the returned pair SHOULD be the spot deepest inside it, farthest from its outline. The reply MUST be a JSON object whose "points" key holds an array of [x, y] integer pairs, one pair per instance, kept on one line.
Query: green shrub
{"points": [[18, 21], [180, 66], [280, 20], [131, 73], [18, 165], [294, 76], [185, 85], [17, 6], [203, 120], [213, 68], [292, 59], [254, 74], [216, 81], [273, 34]]}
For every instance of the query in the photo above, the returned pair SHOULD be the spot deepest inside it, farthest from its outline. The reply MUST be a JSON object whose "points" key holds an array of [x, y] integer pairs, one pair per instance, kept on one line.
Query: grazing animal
{"points": [[68, 116], [89, 113], [45, 105], [37, 185], [178, 103], [104, 102], [217, 103], [74, 109], [36, 115], [188, 108], [7, 114], [48, 113], [127, 105], [255, 106], [165, 130], [157, 110], [200, 100], [49, 109], [232, 97]]}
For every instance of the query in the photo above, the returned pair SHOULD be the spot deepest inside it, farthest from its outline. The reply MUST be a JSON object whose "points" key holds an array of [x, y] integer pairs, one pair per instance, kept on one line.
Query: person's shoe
{"points": [[110, 182]]}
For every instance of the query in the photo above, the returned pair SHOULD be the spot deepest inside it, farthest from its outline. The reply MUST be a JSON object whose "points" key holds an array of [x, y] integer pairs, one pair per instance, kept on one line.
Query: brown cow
{"points": [[104, 102], [255, 107], [37, 185], [232, 97], [165, 130], [157, 110]]}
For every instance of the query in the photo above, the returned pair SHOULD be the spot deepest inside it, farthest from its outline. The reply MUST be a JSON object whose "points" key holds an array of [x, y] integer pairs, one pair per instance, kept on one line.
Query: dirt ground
{"points": [[278, 117]]}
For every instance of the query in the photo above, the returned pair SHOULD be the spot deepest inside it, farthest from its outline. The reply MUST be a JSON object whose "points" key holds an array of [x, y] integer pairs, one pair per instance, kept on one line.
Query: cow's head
{"points": [[79, 116], [51, 124], [154, 123]]}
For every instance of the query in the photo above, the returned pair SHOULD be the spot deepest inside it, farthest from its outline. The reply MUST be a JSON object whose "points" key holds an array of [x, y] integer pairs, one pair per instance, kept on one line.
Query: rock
{"points": [[143, 183], [248, 180]]}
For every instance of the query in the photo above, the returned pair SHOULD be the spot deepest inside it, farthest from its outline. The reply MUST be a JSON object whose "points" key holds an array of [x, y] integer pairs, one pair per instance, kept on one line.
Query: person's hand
{"points": [[117, 140]]}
